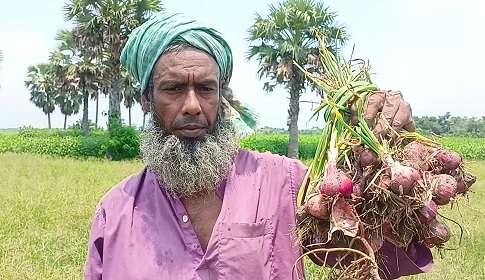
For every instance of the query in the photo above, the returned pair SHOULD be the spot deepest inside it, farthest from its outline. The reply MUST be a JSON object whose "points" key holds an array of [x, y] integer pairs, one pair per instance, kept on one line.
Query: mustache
{"points": [[190, 120]]}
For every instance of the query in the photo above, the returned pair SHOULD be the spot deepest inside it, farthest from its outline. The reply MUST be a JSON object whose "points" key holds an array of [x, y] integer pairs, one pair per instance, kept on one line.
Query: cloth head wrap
{"points": [[149, 41]]}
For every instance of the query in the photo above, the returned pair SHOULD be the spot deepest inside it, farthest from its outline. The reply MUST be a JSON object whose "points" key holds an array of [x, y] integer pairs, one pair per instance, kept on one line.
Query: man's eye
{"points": [[174, 88], [206, 89]]}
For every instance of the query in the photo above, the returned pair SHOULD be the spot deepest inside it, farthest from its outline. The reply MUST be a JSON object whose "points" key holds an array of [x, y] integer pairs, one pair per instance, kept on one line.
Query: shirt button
{"points": [[185, 218], [194, 246]]}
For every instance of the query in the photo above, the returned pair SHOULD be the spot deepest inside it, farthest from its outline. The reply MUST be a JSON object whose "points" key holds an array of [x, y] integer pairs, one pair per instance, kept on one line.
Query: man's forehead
{"points": [[193, 63], [167, 75]]}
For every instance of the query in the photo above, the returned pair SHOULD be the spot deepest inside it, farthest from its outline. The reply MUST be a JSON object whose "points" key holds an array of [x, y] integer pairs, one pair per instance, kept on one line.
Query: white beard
{"points": [[189, 167]]}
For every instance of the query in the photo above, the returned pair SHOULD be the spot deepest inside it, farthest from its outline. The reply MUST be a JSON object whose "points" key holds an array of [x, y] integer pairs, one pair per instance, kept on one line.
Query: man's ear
{"points": [[145, 101]]}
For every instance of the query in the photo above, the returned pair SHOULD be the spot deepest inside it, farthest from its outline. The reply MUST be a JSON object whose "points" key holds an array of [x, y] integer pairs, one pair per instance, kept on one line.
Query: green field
{"points": [[47, 205], [71, 143]]}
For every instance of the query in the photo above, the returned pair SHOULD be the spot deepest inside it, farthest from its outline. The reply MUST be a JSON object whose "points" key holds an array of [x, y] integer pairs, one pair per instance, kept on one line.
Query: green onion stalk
{"points": [[341, 88]]}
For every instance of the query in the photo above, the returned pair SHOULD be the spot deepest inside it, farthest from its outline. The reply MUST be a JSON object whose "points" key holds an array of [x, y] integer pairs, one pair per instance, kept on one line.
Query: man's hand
{"points": [[384, 109]]}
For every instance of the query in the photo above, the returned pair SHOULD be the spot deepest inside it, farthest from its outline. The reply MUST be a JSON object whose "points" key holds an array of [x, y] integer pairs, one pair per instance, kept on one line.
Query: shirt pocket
{"points": [[246, 250]]}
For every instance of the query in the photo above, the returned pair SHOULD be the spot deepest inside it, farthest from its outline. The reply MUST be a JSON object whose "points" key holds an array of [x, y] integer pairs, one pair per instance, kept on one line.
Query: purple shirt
{"points": [[141, 232]]}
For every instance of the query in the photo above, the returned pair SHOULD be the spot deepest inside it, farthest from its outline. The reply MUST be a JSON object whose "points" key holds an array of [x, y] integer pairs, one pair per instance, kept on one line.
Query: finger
{"points": [[374, 104], [396, 92], [403, 116], [381, 129], [410, 127], [354, 120], [386, 118], [391, 107]]}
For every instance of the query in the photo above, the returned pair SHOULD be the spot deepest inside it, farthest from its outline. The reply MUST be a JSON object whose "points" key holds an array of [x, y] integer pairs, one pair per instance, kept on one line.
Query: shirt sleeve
{"points": [[297, 173], [394, 262], [94, 263]]}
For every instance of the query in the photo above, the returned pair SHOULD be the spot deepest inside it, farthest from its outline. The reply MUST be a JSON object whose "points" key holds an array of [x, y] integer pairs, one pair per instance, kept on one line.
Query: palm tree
{"points": [[41, 84], [287, 35], [84, 75], [69, 103], [104, 26], [131, 93], [76, 74], [104, 85], [69, 99]]}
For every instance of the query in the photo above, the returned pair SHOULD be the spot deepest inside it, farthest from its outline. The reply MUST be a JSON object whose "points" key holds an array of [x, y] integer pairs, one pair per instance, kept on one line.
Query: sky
{"points": [[432, 51]]}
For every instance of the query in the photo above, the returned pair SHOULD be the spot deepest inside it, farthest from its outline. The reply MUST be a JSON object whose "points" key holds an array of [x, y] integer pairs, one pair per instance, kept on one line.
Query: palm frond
{"points": [[289, 33]]}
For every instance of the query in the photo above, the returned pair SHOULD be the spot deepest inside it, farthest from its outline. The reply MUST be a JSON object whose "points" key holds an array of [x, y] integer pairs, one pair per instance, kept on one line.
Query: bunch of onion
{"points": [[342, 87], [446, 173], [363, 187], [326, 197]]}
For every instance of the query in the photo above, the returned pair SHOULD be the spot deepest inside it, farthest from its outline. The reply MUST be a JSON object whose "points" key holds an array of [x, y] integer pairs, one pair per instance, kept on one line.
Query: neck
{"points": [[203, 211]]}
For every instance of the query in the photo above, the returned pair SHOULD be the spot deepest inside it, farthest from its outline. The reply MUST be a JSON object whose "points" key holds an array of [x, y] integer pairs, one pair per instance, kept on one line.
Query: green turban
{"points": [[149, 41]]}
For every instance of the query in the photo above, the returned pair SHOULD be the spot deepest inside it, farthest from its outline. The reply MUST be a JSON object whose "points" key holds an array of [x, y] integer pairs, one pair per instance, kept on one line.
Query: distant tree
{"points": [[475, 127], [104, 86], [271, 130], [69, 103], [451, 125], [76, 73], [69, 99], [41, 85], [287, 35], [429, 124], [458, 125], [103, 29], [131, 93], [444, 122]]}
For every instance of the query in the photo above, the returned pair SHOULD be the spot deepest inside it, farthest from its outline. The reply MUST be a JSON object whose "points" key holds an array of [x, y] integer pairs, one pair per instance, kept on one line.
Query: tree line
{"points": [[86, 64], [452, 125], [443, 125]]}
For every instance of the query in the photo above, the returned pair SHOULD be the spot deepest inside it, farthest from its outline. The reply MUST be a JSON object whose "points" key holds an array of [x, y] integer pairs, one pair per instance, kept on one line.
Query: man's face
{"points": [[188, 143], [186, 93]]}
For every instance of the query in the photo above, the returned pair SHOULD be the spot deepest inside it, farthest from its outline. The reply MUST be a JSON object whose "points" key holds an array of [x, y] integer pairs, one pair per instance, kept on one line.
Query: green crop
{"points": [[68, 144]]}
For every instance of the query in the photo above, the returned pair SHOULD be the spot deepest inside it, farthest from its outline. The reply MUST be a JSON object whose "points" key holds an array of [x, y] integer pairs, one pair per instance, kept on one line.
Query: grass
{"points": [[45, 212], [47, 205]]}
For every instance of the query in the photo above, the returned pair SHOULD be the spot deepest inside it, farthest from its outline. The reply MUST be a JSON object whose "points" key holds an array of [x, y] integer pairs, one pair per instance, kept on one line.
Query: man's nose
{"points": [[191, 104]]}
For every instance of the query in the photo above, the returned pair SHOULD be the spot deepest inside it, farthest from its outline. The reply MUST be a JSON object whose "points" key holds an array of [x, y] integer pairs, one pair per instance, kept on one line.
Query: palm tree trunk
{"points": [[114, 113], [129, 116], [49, 120], [65, 120], [144, 117], [97, 109], [85, 124], [293, 113]]}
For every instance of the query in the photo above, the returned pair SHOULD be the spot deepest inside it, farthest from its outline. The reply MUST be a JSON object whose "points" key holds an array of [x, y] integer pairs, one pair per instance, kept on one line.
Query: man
{"points": [[203, 208]]}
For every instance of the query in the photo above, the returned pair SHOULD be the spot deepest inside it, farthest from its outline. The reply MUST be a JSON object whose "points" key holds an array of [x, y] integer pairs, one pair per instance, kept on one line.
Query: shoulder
{"points": [[250, 155], [124, 191], [270, 162], [267, 157]]}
